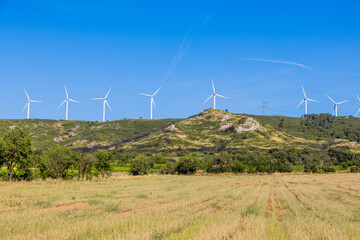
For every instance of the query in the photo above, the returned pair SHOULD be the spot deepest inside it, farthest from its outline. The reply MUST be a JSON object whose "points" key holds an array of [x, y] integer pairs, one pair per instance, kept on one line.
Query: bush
{"points": [[185, 166], [354, 169], [139, 166], [103, 161], [329, 169], [3, 174], [167, 169], [238, 167], [56, 161]]}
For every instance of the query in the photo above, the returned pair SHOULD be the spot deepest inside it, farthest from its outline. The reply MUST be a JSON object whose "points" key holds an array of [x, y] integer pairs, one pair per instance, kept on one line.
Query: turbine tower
{"points": [[104, 102], [152, 102], [28, 104], [336, 105], [359, 108], [67, 103], [305, 100], [214, 95]]}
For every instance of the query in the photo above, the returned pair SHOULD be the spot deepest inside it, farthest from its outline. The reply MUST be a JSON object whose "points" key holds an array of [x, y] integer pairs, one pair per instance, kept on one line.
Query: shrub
{"points": [[167, 169], [238, 167], [56, 161], [354, 169], [329, 169], [139, 166], [185, 166], [103, 163]]}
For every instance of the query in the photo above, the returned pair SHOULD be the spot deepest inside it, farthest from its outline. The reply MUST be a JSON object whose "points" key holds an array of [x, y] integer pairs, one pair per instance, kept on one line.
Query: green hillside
{"points": [[211, 130], [85, 134]]}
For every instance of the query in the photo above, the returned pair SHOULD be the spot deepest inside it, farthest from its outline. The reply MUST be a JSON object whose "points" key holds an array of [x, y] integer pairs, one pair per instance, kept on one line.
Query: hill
{"points": [[211, 130]]}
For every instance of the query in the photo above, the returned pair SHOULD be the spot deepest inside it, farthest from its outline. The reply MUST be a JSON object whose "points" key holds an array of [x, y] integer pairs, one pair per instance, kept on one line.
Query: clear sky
{"points": [[254, 50]]}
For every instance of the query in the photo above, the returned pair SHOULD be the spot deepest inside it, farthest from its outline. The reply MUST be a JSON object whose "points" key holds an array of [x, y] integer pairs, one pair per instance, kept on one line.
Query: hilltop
{"points": [[211, 130]]}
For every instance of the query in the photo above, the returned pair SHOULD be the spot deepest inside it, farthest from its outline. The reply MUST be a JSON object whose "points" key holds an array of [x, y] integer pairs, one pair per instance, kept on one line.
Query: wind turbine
{"points": [[335, 106], [104, 102], [359, 108], [214, 95], [152, 102], [28, 104], [67, 103], [305, 100]]}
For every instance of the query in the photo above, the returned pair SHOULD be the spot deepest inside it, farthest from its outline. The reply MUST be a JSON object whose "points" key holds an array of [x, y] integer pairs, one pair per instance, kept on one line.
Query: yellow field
{"points": [[184, 207]]}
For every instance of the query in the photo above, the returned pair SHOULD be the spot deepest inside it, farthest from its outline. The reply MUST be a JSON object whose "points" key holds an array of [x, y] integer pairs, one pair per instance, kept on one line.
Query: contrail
{"points": [[278, 61], [184, 47]]}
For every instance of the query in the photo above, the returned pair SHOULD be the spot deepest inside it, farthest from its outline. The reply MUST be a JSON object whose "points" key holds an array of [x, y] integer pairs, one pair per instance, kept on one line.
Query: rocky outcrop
{"points": [[249, 125], [58, 139], [171, 128], [93, 144], [227, 127], [225, 118], [71, 134]]}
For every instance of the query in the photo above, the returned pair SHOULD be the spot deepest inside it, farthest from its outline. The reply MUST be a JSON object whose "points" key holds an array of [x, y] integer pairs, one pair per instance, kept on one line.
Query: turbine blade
{"points": [[67, 95], [73, 100], [62, 103], [221, 96], [212, 82], [303, 91], [342, 102], [108, 93], [25, 106], [358, 97], [312, 100], [153, 102], [330, 99], [156, 92], [145, 94], [108, 105], [97, 98], [35, 101], [355, 114], [209, 98], [300, 103], [26, 94]]}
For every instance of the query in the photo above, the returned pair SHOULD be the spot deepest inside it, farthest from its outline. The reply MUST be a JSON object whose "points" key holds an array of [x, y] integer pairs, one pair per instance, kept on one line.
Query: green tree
{"points": [[56, 161], [185, 166], [85, 163], [15, 150], [103, 161], [139, 165]]}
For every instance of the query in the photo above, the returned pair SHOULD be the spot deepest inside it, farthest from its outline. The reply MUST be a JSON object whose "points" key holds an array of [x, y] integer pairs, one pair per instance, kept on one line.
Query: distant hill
{"points": [[211, 130]]}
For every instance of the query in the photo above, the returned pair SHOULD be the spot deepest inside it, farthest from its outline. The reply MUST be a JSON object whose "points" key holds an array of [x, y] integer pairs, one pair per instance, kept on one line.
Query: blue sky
{"points": [[138, 46]]}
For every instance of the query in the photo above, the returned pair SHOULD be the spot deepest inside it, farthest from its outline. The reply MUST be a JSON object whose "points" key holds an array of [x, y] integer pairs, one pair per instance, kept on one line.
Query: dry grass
{"points": [[184, 207]]}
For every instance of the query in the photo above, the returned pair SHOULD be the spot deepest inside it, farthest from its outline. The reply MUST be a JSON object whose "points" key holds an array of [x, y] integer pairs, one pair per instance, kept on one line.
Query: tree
{"points": [[56, 161], [84, 164], [139, 166], [15, 150], [103, 161], [185, 166]]}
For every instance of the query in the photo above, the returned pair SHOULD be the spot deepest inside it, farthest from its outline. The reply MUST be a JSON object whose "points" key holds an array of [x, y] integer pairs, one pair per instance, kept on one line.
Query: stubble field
{"points": [[184, 207]]}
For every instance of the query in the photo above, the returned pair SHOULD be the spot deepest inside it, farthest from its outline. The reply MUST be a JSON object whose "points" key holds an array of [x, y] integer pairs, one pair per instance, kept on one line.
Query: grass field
{"points": [[184, 207]]}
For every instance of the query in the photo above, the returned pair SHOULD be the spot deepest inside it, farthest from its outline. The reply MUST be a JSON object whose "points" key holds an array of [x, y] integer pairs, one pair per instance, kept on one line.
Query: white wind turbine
{"points": [[152, 102], [214, 95], [335, 106], [28, 104], [67, 99], [104, 102], [305, 100], [359, 108]]}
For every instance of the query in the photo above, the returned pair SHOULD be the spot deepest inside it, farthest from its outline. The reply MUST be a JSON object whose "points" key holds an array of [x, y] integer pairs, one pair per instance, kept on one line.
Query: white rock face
{"points": [[58, 139], [225, 118], [71, 134], [249, 125], [226, 126], [11, 127], [93, 144], [171, 128]]}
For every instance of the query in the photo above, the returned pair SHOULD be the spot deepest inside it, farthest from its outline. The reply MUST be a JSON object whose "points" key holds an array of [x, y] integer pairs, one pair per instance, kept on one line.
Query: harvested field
{"points": [[184, 207]]}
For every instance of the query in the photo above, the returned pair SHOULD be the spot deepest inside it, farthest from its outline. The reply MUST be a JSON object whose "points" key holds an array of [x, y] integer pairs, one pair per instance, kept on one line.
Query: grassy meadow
{"points": [[184, 207]]}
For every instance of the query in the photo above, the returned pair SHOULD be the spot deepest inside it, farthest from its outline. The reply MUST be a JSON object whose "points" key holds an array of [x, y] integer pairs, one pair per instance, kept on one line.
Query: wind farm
{"points": [[253, 128]]}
